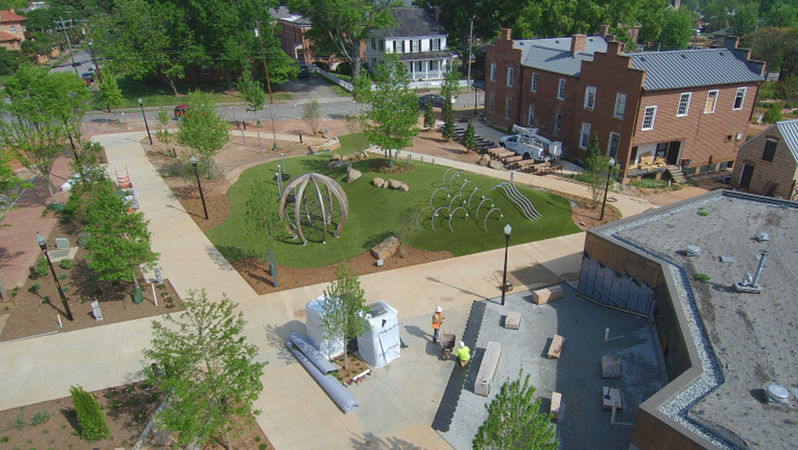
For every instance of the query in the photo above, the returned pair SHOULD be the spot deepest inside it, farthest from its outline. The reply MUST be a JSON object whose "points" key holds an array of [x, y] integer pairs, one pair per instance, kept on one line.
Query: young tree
{"points": [[264, 225], [203, 130], [32, 128], [203, 360], [345, 23], [451, 83], [344, 308], [515, 421], [120, 241], [429, 116], [163, 120], [448, 121], [93, 426], [110, 93], [252, 90], [406, 228], [469, 137], [773, 114], [392, 119], [311, 115], [597, 167]]}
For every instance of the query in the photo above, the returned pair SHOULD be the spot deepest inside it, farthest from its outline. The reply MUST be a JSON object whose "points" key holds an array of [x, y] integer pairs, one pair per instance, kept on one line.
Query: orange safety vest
{"points": [[437, 320]]}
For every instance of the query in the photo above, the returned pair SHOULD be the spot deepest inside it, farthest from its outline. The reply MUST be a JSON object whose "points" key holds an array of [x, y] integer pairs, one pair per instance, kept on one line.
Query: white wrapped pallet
{"points": [[379, 345], [313, 314]]}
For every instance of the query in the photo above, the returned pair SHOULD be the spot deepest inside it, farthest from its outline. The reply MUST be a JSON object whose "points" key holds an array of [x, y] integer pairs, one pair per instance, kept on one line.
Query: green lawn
{"points": [[373, 214], [162, 94]]}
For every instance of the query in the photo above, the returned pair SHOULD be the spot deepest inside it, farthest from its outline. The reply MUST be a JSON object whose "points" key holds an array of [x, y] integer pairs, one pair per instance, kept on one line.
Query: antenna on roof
{"points": [[750, 285]]}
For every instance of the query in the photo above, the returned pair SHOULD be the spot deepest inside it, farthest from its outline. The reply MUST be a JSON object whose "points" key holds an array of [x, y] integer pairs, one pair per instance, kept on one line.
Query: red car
{"points": [[180, 110]]}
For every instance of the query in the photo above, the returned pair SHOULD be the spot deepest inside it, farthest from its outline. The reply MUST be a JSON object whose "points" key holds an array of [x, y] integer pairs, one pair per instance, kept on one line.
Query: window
{"points": [[13, 29], [382, 45], [398, 46], [206, 70], [585, 141], [373, 44], [557, 124], [684, 104], [435, 44], [620, 105], [507, 107], [433, 65], [534, 82], [770, 150], [712, 100], [531, 118], [739, 100], [510, 73], [493, 72], [590, 97], [561, 90], [491, 103], [648, 118], [615, 140], [419, 66], [415, 46]]}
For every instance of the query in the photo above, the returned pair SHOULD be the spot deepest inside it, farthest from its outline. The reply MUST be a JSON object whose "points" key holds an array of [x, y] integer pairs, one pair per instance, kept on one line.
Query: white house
{"points": [[418, 38]]}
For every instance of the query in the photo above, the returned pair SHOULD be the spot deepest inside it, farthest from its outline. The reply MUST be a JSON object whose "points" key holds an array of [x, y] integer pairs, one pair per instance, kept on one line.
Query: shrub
{"points": [[39, 417], [42, 267], [35, 287], [791, 105], [773, 114], [90, 417], [4, 439], [63, 276], [46, 299], [702, 277], [65, 264], [703, 213], [262, 446], [767, 90], [19, 421]]}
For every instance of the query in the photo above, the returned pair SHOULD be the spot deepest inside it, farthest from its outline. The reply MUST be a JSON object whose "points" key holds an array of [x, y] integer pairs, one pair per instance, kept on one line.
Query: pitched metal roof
{"points": [[554, 54], [410, 22], [789, 131], [692, 68]]}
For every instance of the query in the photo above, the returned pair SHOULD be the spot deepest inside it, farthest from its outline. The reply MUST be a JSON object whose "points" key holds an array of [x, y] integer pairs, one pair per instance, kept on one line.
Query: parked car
{"points": [[180, 111], [437, 101]]}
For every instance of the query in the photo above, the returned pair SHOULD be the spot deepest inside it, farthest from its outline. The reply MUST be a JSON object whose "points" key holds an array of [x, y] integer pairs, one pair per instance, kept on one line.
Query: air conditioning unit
{"points": [[739, 136]]}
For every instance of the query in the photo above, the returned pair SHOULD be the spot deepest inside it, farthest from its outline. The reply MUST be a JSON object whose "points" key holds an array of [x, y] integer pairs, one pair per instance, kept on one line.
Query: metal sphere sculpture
{"points": [[318, 212]]}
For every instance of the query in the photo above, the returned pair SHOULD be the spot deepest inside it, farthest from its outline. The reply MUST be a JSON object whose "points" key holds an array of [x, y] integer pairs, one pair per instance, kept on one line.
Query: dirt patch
{"points": [[128, 409], [32, 311]]}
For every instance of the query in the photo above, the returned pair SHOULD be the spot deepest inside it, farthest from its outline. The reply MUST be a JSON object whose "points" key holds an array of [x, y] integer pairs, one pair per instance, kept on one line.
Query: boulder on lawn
{"points": [[331, 164], [404, 187], [496, 165], [385, 249], [385, 184], [377, 181], [336, 157], [484, 160], [352, 175], [394, 184]]}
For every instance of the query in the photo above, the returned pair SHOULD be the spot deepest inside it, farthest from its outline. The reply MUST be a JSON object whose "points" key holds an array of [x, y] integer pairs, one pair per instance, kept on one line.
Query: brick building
{"points": [[12, 29], [294, 42], [768, 163], [691, 107]]}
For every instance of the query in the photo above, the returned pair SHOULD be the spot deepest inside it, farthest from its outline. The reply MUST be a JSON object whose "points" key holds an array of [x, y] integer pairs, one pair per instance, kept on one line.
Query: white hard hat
{"points": [[462, 344], [439, 309]]}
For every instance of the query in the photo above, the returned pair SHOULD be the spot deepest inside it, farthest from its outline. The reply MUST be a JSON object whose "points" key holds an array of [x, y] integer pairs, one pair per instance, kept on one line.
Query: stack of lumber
{"points": [[648, 163]]}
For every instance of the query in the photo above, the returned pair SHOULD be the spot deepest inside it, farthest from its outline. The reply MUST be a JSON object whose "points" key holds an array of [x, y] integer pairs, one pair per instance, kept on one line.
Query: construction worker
{"points": [[437, 321], [463, 354]]}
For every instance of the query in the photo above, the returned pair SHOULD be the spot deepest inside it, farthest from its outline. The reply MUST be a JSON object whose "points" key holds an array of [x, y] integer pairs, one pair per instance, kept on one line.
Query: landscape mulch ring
{"points": [[35, 311], [128, 409]]}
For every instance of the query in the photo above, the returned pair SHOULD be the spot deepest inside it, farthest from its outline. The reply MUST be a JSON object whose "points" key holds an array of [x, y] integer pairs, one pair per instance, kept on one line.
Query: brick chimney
{"points": [[437, 11], [578, 42], [604, 30], [507, 34], [615, 48]]}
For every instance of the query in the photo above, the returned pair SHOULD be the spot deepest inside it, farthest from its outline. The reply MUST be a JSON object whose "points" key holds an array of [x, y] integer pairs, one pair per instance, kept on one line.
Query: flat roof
{"points": [[745, 341]]}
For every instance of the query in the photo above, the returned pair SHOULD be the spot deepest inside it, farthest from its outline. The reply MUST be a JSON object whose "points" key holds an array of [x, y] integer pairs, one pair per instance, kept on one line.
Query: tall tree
{"points": [[120, 241], [203, 130], [778, 47], [745, 19], [469, 137], [449, 90], [252, 90], [32, 128], [345, 23], [515, 421], [392, 119], [202, 358], [678, 29], [344, 308], [429, 116], [110, 93]]}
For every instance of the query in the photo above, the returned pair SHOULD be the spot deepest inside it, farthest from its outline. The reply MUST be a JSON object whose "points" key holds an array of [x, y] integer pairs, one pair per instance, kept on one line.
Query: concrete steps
{"points": [[676, 174]]}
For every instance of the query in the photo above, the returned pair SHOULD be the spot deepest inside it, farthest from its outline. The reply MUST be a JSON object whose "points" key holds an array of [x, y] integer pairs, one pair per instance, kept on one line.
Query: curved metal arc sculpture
{"points": [[333, 189]]}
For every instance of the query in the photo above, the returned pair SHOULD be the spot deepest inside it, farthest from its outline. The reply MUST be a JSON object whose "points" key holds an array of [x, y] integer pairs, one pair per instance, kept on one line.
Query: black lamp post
{"points": [[141, 104], [507, 230], [607, 187], [43, 245], [193, 160]]}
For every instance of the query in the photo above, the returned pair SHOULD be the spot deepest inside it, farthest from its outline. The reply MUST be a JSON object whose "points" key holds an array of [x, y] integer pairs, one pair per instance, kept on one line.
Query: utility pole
{"points": [[265, 67], [93, 56], [470, 45], [69, 43]]}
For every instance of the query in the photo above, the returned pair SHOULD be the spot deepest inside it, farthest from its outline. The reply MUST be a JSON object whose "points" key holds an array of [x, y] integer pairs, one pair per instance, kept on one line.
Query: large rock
{"points": [[336, 157], [395, 184], [386, 248], [484, 160], [352, 175], [332, 164], [404, 187], [496, 165], [377, 181]]}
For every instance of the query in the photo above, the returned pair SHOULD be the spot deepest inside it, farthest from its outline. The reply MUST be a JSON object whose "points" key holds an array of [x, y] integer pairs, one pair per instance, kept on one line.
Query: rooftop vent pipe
{"points": [[750, 285]]}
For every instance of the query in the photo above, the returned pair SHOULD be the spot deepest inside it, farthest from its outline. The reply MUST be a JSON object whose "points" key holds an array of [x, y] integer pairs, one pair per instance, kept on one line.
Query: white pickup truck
{"points": [[527, 143]]}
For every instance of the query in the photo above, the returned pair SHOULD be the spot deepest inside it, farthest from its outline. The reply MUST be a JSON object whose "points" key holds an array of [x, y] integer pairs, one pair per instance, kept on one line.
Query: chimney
{"points": [[578, 42], [437, 11], [604, 30], [615, 48], [731, 42], [506, 34]]}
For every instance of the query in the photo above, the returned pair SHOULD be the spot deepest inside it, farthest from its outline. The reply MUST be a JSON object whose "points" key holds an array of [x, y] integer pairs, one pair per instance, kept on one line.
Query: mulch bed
{"points": [[35, 311], [128, 409]]}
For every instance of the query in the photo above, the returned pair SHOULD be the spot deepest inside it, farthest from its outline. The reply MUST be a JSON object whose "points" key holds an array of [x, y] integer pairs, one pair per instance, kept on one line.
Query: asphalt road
{"points": [[82, 61]]}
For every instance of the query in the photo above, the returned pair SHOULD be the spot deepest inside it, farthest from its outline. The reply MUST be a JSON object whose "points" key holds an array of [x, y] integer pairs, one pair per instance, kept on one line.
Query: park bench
{"points": [[490, 361]]}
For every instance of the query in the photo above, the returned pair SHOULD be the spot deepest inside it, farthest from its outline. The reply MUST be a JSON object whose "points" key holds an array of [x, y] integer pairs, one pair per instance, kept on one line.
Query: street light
{"points": [[507, 230], [43, 245], [607, 187], [145, 120], [193, 160]]}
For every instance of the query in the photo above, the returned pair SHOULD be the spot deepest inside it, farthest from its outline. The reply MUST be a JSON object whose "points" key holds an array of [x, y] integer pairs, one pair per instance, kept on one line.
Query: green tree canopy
{"points": [[745, 19], [203, 130], [678, 29], [344, 308], [252, 90]]}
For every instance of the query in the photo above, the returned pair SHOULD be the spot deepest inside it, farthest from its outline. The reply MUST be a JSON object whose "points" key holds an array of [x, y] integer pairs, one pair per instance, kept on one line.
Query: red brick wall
{"points": [[547, 105], [504, 56]]}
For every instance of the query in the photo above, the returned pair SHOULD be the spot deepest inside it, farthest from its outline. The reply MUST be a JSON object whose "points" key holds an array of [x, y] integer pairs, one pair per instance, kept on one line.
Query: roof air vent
{"points": [[693, 250], [557, 41], [778, 394], [720, 53], [642, 59], [684, 55]]}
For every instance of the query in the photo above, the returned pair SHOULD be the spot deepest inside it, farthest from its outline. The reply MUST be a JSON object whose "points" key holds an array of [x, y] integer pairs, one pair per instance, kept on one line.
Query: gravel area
{"points": [[744, 341], [577, 374]]}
